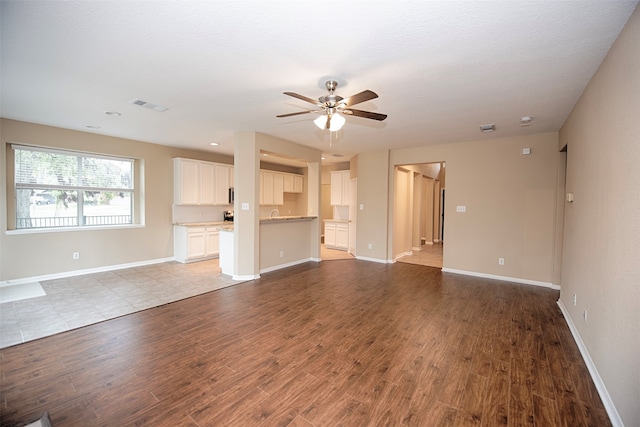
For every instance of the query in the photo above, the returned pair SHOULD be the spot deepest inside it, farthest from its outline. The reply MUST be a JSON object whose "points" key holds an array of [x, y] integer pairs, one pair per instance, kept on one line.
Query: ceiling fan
{"points": [[332, 106]]}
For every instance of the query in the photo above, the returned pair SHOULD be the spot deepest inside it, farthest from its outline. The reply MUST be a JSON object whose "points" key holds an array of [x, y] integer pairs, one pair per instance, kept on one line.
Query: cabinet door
{"points": [[207, 183], [196, 243], [288, 183], [213, 242], [330, 235], [336, 188], [297, 184], [342, 236], [267, 188], [186, 182], [346, 187], [278, 189], [222, 185]]}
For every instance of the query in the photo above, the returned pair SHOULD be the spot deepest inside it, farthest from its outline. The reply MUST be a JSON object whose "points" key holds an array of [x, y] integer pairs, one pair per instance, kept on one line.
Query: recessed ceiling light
{"points": [[215, 144], [113, 113], [93, 127], [488, 128]]}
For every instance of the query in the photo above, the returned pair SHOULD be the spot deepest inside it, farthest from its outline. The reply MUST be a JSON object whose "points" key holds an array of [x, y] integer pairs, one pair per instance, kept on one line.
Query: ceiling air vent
{"points": [[488, 128], [145, 104]]}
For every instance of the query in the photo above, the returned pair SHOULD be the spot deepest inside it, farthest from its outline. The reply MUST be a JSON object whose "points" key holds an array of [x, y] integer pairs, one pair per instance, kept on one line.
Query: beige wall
{"points": [[373, 190], [510, 200], [43, 253], [601, 248], [247, 236]]}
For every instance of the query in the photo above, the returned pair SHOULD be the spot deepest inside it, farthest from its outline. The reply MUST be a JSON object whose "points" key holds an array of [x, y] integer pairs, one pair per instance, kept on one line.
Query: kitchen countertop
{"points": [[203, 224], [336, 220], [267, 220]]}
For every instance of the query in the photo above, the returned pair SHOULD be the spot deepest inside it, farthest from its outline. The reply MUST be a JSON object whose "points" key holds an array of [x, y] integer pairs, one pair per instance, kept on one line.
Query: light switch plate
{"points": [[245, 206]]}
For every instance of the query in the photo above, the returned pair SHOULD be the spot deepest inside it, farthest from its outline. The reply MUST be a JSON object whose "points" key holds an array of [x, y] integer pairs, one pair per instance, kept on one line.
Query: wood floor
{"points": [[343, 342]]}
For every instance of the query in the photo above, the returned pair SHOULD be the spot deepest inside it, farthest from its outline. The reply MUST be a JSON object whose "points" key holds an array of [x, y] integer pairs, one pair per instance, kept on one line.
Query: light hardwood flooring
{"points": [[349, 343], [429, 255]]}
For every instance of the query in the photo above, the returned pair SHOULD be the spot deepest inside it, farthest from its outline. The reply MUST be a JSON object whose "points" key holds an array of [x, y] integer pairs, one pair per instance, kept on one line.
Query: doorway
{"points": [[418, 223]]}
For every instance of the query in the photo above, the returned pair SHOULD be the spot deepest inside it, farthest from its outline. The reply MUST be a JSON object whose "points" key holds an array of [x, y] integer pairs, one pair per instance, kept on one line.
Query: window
{"points": [[68, 189]]}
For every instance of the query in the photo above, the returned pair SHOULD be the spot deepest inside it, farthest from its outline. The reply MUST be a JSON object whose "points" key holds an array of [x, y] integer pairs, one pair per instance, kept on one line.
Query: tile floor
{"points": [[82, 300]]}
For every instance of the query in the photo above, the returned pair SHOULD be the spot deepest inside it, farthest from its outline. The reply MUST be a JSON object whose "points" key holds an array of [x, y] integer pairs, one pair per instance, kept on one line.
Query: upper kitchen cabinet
{"points": [[223, 182], [200, 183], [292, 183], [340, 182], [273, 185], [271, 188]]}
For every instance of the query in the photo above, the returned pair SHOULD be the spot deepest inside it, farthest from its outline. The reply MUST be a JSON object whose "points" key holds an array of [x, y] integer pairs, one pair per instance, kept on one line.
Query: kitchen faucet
{"points": [[276, 212]]}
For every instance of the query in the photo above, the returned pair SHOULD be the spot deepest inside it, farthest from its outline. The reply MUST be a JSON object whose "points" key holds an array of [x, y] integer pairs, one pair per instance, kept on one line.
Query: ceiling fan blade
{"points": [[302, 97], [363, 96], [295, 114], [365, 114]]}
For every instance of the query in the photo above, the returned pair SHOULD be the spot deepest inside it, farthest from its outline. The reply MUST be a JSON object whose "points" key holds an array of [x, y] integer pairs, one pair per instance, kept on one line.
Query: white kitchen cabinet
{"points": [[195, 243], [271, 188], [336, 234], [200, 183], [340, 184], [186, 175], [207, 183], [292, 183], [223, 175], [278, 189]]}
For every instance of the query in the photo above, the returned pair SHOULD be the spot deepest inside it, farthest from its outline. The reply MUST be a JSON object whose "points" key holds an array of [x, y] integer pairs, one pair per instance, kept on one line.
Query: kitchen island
{"points": [[287, 241], [284, 241]]}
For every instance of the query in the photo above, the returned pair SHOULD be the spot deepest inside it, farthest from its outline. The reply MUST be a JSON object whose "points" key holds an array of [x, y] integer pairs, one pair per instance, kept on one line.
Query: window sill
{"points": [[68, 229]]}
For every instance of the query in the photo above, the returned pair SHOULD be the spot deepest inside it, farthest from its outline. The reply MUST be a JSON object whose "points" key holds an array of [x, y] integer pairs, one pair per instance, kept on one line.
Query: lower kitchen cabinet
{"points": [[195, 243], [336, 235]]}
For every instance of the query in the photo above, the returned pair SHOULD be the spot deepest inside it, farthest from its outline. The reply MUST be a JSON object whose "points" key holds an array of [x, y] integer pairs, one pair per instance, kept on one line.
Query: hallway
{"points": [[430, 256]]}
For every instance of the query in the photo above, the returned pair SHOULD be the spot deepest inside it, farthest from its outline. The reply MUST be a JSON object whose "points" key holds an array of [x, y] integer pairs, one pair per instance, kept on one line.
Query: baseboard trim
{"points": [[407, 253], [378, 260], [245, 278], [502, 278], [285, 265], [614, 417], [73, 273]]}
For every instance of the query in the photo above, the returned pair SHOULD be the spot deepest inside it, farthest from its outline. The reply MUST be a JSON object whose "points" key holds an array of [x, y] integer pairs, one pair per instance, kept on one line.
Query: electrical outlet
{"points": [[501, 261], [575, 299], [585, 314], [281, 254], [76, 255], [370, 245]]}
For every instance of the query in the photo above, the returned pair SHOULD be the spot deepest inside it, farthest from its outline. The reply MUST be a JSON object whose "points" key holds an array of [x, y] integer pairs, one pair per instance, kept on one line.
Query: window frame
{"points": [[133, 192]]}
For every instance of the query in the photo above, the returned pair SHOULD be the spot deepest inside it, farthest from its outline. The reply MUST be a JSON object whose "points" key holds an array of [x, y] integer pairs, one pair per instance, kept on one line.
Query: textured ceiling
{"points": [[440, 68]]}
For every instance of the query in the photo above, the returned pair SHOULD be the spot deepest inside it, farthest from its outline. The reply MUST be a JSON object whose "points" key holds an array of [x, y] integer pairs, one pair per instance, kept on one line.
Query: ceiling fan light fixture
{"points": [[337, 121]]}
